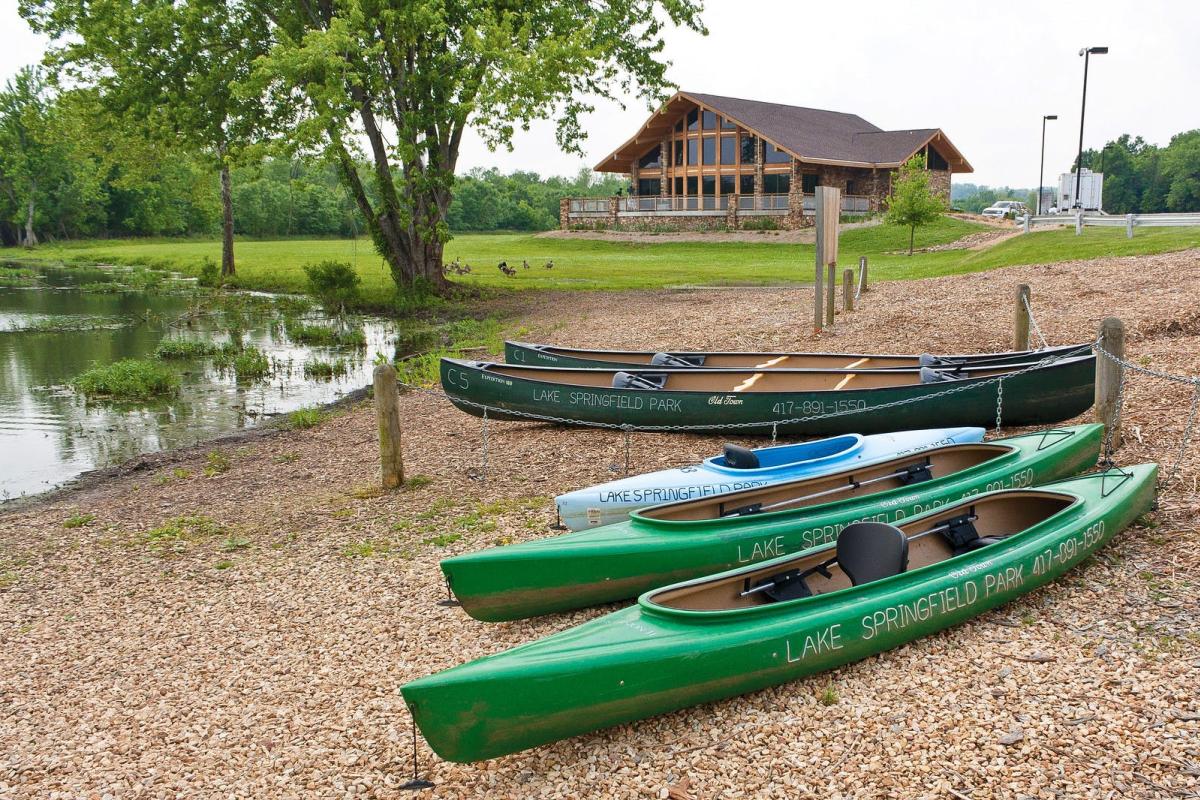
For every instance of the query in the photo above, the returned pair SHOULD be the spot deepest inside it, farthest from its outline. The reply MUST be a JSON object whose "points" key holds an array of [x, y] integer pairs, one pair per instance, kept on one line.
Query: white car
{"points": [[1003, 208]]}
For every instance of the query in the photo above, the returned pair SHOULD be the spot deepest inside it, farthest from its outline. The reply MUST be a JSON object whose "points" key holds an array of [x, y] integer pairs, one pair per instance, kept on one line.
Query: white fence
{"points": [[1128, 221]]}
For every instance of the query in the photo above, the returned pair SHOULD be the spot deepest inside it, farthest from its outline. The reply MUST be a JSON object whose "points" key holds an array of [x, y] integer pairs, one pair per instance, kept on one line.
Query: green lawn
{"points": [[589, 264]]}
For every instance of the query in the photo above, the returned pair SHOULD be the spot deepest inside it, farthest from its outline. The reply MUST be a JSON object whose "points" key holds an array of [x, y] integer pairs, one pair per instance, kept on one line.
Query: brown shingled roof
{"points": [[810, 134]]}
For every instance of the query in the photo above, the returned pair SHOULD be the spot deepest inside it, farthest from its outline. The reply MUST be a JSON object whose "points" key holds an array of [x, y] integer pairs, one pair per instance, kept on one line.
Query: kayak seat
{"points": [[737, 457], [868, 551], [627, 380], [935, 376], [962, 537]]}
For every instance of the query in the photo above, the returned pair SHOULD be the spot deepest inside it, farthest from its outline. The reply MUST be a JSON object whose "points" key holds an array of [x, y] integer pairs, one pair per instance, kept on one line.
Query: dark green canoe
{"points": [[677, 541], [788, 401], [551, 355], [724, 635]]}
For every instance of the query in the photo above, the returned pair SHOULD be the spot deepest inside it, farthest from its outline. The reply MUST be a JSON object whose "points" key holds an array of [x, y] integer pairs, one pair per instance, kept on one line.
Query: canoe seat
{"points": [[935, 376], [668, 360], [626, 380], [740, 457], [868, 551]]}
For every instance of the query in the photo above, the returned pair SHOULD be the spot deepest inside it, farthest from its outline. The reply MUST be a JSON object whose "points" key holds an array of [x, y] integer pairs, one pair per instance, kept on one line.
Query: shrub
{"points": [[127, 379], [244, 362], [184, 348], [305, 418], [334, 283], [325, 370], [305, 333], [210, 273]]}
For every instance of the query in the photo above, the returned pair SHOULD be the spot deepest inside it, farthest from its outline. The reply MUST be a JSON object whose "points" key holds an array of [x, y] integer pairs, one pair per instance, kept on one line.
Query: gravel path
{"points": [[245, 633]]}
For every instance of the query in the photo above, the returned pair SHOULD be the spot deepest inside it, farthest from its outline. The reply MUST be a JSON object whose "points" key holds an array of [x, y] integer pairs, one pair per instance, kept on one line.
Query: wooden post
{"points": [[848, 290], [1079, 222], [1108, 377], [387, 408], [1129, 226], [862, 273], [1021, 318], [831, 294], [827, 211]]}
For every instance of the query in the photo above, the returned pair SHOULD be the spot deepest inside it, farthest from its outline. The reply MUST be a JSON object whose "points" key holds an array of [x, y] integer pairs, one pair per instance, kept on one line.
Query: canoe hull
{"points": [[542, 355], [620, 561], [642, 661], [611, 502], [1042, 396]]}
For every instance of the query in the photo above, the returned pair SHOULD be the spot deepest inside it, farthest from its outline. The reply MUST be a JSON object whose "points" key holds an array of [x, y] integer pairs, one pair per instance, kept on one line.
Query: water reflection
{"points": [[53, 331]]}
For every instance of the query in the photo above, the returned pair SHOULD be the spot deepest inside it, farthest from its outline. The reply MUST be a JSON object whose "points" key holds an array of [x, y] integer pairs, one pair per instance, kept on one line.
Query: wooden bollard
{"points": [[848, 290], [862, 273], [387, 408], [831, 294], [1021, 318], [1108, 377]]}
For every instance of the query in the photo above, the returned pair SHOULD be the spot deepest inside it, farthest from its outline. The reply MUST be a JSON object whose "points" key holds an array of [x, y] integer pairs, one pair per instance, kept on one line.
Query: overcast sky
{"points": [[985, 73]]}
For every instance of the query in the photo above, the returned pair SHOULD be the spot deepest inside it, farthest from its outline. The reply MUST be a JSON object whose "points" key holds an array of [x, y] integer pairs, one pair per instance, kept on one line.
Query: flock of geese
{"points": [[456, 267]]}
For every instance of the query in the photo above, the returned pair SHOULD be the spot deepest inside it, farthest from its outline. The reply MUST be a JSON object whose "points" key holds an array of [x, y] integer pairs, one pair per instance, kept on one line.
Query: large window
{"points": [[710, 150], [692, 200], [777, 183], [808, 183], [693, 119], [652, 158], [679, 152], [727, 184], [692, 160], [728, 149], [679, 186], [935, 160], [709, 185], [727, 124], [708, 121], [679, 125], [748, 149], [649, 187], [773, 155], [747, 184], [691, 184]]}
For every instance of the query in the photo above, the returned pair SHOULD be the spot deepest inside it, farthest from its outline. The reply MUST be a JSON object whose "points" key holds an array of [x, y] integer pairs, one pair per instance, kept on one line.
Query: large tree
{"points": [[408, 77], [172, 65], [27, 151]]}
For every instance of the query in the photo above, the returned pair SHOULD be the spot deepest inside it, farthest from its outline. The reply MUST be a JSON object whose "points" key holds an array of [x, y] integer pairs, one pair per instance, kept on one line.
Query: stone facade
{"points": [[939, 183]]}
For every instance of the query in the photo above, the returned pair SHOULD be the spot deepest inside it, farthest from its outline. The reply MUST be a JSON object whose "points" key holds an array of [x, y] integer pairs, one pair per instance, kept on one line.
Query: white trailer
{"points": [[1091, 189]]}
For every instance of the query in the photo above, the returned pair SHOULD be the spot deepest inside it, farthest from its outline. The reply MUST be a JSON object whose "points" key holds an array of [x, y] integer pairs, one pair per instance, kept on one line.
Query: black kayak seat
{"points": [[737, 457], [668, 360], [627, 380], [868, 551]]}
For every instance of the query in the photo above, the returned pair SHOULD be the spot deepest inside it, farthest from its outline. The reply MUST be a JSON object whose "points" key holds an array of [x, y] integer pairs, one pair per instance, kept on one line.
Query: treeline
{"points": [[974, 198], [68, 170], [1142, 178]]}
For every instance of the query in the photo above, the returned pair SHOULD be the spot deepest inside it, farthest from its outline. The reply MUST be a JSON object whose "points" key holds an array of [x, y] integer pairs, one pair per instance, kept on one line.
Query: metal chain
{"points": [[858, 289], [1187, 437], [999, 403], [627, 429], [1033, 321], [484, 470], [774, 433], [1106, 459], [762, 424], [1154, 373]]}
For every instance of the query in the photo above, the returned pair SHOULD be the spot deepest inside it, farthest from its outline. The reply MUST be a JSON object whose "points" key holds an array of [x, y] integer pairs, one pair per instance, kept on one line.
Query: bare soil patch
{"points": [[245, 632]]}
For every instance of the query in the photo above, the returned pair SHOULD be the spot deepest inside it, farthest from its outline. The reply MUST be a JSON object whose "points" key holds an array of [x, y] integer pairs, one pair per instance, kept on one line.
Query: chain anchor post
{"points": [[1110, 382]]}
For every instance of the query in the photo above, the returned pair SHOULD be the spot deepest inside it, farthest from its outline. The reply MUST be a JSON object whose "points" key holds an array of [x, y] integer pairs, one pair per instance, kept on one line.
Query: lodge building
{"points": [[705, 161]]}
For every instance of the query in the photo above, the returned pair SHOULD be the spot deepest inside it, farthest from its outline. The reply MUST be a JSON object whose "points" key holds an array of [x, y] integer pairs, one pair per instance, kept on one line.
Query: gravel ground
{"points": [[244, 633]]}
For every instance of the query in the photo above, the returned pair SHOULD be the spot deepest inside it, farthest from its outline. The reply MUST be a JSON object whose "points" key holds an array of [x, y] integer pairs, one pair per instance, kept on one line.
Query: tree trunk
{"points": [[912, 232], [31, 239], [227, 268]]}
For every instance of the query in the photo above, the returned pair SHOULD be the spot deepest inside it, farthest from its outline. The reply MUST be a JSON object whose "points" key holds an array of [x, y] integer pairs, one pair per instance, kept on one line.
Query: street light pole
{"points": [[1086, 53], [1042, 163]]}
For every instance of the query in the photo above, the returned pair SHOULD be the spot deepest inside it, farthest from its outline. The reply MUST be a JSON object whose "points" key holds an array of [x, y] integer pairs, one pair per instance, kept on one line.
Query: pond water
{"points": [[56, 323]]}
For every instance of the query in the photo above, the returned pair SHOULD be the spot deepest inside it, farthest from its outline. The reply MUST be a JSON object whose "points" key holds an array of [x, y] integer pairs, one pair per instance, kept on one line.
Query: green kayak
{"points": [[766, 624], [677, 541]]}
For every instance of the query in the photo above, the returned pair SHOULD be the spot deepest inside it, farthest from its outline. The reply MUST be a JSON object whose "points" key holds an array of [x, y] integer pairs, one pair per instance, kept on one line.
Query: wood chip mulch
{"points": [[245, 633]]}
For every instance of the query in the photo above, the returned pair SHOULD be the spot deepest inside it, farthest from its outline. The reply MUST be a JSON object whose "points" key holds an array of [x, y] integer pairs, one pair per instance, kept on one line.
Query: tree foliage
{"points": [[1142, 178], [411, 77], [912, 203]]}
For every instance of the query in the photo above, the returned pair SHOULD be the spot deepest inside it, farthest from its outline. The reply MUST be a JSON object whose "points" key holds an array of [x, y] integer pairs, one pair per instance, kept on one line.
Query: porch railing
{"points": [[766, 202]]}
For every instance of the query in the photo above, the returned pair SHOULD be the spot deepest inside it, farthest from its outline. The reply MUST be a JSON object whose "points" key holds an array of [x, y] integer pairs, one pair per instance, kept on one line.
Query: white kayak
{"points": [[741, 468]]}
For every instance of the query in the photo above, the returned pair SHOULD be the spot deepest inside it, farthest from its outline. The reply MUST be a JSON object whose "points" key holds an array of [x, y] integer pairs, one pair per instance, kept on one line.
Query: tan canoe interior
{"points": [[999, 515], [942, 462], [750, 360], [735, 382]]}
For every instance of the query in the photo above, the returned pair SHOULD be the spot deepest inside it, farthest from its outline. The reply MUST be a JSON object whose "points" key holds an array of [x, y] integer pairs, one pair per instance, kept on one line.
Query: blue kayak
{"points": [[741, 468]]}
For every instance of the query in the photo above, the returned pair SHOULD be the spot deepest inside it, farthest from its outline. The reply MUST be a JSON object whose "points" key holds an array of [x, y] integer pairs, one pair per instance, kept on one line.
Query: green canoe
{"points": [[804, 401], [550, 355], [721, 636], [677, 541]]}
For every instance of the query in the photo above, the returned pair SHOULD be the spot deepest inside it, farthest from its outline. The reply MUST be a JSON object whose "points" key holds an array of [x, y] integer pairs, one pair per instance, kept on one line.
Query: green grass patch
{"points": [[325, 335], [443, 539], [305, 418], [615, 265], [179, 349], [417, 482], [127, 379], [176, 534], [320, 369], [373, 548], [234, 543], [245, 363], [78, 520], [216, 463]]}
